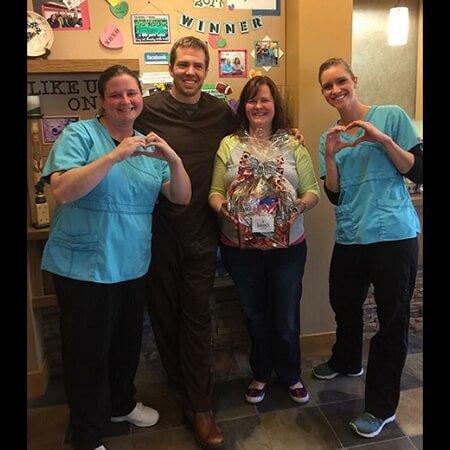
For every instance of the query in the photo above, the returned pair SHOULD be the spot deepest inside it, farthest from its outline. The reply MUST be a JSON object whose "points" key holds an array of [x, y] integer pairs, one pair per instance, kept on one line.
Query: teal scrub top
{"points": [[374, 203], [105, 236]]}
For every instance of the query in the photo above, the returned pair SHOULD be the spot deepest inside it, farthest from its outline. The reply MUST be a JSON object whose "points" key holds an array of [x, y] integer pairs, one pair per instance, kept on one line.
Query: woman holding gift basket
{"points": [[263, 183]]}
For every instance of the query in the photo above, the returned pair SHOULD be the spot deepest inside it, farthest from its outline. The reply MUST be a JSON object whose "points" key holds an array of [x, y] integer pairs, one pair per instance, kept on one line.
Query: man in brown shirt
{"points": [[185, 238]]}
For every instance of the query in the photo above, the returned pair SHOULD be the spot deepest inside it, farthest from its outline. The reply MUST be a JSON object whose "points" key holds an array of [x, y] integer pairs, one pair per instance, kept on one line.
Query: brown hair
{"points": [[111, 72], [335, 62], [189, 42], [280, 118], [115, 71]]}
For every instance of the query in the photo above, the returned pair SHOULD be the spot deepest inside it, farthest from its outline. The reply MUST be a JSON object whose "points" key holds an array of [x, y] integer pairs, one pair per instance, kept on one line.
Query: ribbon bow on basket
{"points": [[249, 165], [261, 199]]}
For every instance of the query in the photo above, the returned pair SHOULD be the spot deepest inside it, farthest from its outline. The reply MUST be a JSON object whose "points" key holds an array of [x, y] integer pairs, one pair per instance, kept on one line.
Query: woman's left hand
{"points": [[371, 133], [299, 208], [158, 148]]}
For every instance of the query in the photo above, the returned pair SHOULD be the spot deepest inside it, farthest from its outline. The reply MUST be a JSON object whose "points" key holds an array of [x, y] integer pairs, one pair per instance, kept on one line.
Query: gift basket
{"points": [[260, 198]]}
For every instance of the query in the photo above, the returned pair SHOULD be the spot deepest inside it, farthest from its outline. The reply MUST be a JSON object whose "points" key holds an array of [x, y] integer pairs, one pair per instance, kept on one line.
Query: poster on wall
{"points": [[62, 18], [52, 127], [233, 63], [150, 28]]}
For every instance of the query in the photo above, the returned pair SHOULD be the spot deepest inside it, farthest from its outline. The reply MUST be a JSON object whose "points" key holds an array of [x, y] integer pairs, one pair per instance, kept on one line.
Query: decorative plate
{"points": [[39, 35]]}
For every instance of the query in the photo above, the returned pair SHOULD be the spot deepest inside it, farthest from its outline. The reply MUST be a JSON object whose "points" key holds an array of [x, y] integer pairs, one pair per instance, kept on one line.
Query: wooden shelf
{"points": [[37, 234], [78, 65], [44, 301]]}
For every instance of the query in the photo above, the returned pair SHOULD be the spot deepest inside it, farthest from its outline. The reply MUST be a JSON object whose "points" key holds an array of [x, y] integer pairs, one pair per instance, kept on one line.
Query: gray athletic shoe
{"points": [[325, 372]]}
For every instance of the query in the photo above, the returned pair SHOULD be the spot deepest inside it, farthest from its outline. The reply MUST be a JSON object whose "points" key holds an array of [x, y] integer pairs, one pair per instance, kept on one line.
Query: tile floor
{"points": [[275, 424]]}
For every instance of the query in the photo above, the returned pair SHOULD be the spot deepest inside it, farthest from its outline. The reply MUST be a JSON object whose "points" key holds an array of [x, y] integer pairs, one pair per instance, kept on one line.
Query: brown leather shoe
{"points": [[206, 431]]}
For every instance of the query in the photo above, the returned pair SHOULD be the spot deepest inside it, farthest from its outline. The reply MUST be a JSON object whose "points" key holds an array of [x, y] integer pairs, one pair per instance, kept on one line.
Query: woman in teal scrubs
{"points": [[364, 158], [105, 178]]}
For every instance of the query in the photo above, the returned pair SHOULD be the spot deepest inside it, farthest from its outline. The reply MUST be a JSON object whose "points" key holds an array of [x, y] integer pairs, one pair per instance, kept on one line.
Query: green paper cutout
{"points": [[120, 10], [222, 43]]}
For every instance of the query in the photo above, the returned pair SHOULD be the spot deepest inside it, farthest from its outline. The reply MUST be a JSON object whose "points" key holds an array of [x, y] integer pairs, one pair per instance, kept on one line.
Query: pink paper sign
{"points": [[112, 37]]}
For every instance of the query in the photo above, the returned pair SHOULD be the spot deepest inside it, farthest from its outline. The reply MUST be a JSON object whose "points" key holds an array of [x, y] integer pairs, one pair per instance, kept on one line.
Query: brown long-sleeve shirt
{"points": [[195, 137]]}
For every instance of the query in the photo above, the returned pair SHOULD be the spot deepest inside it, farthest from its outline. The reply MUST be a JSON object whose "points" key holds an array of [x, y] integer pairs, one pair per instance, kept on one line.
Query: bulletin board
{"points": [[225, 25]]}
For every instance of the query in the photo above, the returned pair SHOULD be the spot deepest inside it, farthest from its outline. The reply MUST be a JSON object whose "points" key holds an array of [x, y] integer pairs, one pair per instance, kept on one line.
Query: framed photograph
{"points": [[150, 28], [52, 127], [266, 53], [232, 63], [61, 18]]}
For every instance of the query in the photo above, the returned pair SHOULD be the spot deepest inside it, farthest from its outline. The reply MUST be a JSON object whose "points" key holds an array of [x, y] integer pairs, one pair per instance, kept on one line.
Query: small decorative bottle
{"points": [[42, 211]]}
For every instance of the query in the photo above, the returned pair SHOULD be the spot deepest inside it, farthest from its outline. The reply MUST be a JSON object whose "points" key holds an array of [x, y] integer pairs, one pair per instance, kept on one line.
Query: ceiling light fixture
{"points": [[398, 25]]}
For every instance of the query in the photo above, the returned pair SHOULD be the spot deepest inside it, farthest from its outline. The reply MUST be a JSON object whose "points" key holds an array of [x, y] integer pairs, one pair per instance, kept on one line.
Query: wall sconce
{"points": [[398, 25]]}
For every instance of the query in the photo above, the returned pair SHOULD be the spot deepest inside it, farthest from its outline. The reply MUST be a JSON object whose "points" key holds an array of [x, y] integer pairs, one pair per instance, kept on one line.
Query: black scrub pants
{"points": [[101, 333], [391, 267]]}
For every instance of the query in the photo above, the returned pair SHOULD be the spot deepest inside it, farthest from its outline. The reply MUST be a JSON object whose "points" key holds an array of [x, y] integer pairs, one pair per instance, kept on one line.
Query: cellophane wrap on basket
{"points": [[260, 198]]}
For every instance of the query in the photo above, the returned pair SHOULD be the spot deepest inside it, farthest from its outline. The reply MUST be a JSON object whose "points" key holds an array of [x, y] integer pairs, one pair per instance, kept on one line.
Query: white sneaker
{"points": [[100, 448], [141, 416]]}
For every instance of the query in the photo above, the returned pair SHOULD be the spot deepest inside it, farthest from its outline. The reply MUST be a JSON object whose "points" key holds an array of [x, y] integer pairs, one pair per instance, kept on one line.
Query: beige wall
{"points": [[419, 91], [386, 74], [315, 31]]}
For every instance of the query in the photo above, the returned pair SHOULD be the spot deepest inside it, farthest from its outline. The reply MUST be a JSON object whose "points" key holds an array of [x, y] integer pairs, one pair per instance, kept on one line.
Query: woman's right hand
{"points": [[219, 205], [130, 146], [225, 213], [333, 142]]}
